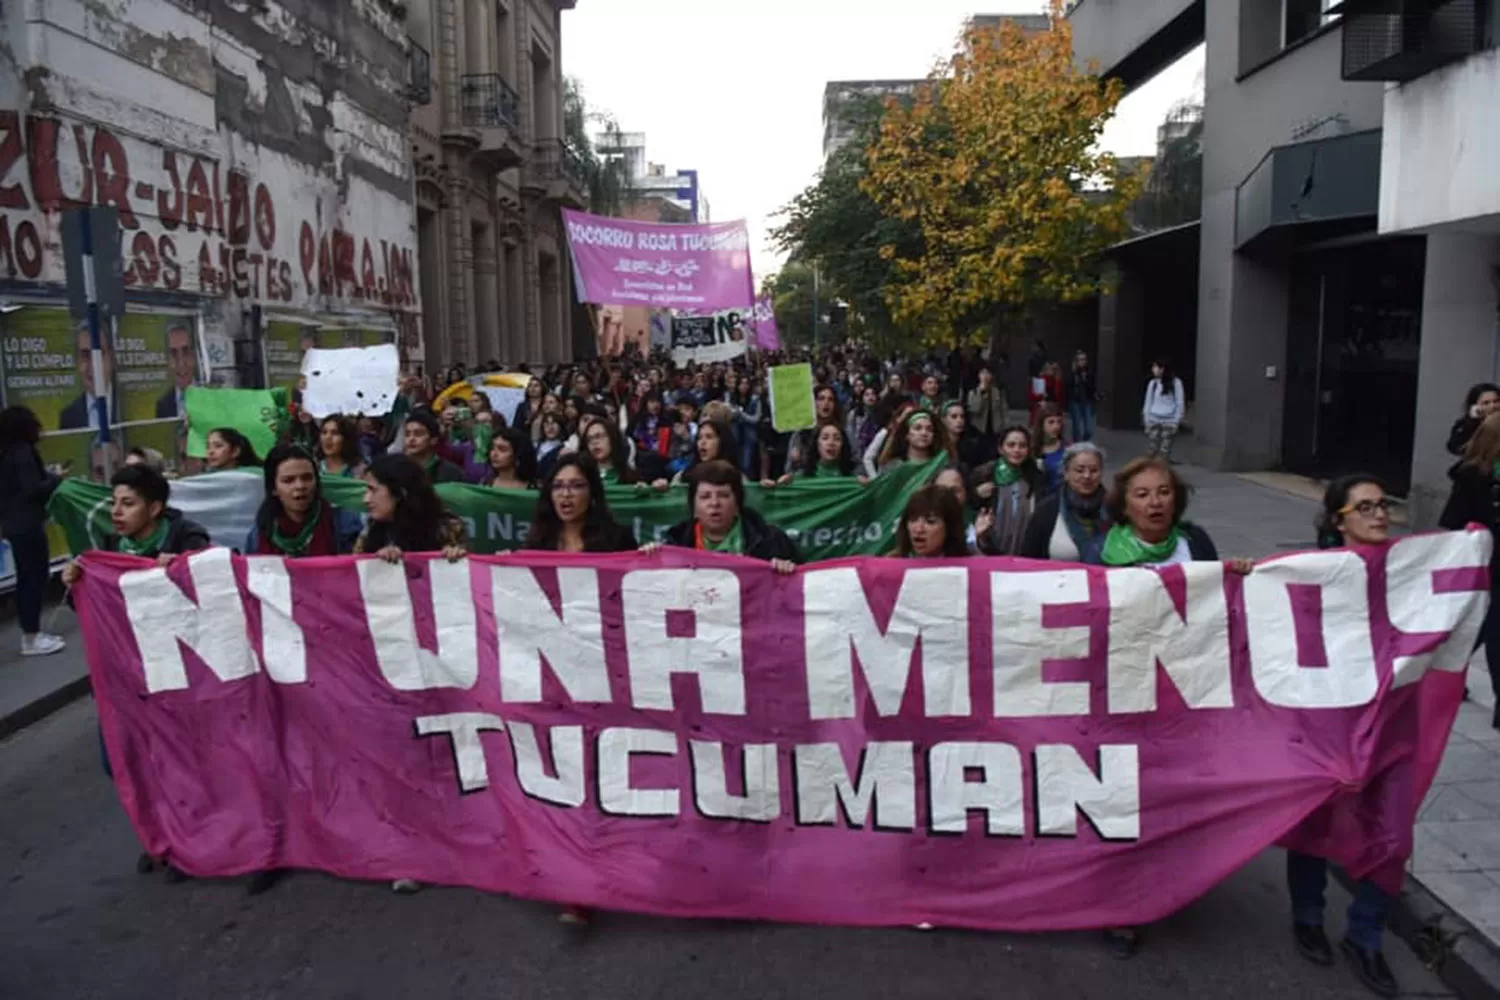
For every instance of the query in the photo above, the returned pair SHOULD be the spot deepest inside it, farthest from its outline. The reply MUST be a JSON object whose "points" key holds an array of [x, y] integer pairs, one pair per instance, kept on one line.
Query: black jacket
{"points": [[25, 486], [1080, 387], [1038, 540], [1463, 429], [182, 536], [762, 539], [1475, 500]]}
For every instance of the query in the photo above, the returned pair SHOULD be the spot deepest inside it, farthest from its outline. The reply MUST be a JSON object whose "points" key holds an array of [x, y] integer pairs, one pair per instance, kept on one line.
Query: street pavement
{"points": [[76, 921]]}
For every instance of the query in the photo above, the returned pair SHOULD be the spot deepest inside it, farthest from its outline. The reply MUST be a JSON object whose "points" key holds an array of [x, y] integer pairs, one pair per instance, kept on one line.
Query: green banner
{"points": [[827, 518], [255, 413]]}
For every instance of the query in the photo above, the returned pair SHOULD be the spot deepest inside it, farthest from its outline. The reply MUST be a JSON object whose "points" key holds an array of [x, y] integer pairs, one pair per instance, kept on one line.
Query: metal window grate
{"points": [[419, 74], [489, 102], [1400, 40]]}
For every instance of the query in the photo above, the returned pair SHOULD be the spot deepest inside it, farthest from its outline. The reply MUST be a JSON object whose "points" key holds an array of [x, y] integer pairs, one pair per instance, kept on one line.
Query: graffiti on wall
{"points": [[278, 235]]}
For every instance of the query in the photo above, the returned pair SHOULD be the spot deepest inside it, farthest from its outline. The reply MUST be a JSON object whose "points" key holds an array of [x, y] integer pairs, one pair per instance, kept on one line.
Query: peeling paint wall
{"points": [[256, 150]]}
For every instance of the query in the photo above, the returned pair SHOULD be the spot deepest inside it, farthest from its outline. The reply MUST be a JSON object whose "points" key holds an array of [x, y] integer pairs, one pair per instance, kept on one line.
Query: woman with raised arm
{"points": [[1006, 490]]}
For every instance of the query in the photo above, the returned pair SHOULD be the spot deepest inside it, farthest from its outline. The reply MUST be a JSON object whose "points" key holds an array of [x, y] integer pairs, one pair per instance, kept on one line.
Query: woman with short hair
{"points": [[932, 525], [1070, 525]]}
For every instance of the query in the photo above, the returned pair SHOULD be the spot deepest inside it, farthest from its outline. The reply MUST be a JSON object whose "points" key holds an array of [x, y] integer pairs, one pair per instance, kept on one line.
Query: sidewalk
{"points": [[33, 687], [1455, 868]]}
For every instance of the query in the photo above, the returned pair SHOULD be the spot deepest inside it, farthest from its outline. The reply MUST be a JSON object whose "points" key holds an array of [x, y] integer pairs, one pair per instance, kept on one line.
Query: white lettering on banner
{"points": [[1339, 583], [840, 631], [1066, 785], [570, 640], [886, 780], [1146, 631], [998, 793], [567, 789], [388, 611], [283, 646], [464, 729], [761, 802], [1453, 619], [617, 796], [163, 619], [652, 599], [1022, 644]]}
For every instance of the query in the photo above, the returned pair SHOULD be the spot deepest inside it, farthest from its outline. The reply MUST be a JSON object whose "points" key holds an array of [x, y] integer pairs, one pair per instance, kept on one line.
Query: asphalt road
{"points": [[77, 922]]}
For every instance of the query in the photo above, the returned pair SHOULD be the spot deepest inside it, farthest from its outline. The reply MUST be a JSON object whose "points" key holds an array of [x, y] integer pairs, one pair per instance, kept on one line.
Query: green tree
{"points": [[996, 162], [837, 226], [791, 291], [605, 178]]}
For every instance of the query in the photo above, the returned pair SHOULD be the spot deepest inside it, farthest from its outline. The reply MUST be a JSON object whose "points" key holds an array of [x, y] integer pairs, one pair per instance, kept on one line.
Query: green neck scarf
{"points": [[826, 469], [148, 546], [296, 545], [609, 476], [1123, 547], [1005, 474], [734, 542]]}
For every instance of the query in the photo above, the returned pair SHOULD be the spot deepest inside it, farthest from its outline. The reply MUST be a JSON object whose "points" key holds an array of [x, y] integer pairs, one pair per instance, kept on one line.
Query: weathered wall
{"points": [[256, 151]]}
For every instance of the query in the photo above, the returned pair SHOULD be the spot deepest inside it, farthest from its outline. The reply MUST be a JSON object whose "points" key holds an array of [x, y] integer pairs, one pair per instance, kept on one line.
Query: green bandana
{"points": [[152, 543], [829, 468], [1123, 547], [1005, 474], [431, 465], [609, 476], [484, 436], [297, 544], [733, 543]]}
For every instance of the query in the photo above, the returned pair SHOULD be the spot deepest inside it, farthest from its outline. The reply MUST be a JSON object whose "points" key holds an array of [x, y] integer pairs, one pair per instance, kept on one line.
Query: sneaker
{"points": [[42, 644], [406, 886]]}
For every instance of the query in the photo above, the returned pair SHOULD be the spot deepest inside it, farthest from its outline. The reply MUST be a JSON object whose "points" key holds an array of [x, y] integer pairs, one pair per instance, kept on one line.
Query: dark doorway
{"points": [[1353, 338]]}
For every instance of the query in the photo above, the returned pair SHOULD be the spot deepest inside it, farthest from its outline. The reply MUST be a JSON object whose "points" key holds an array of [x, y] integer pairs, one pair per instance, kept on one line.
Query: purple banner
{"points": [[701, 268], [764, 334]]}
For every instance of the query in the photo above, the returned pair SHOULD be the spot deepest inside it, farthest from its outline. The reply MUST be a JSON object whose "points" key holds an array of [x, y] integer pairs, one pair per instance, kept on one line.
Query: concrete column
{"points": [[1460, 346], [1122, 325], [1242, 319]]}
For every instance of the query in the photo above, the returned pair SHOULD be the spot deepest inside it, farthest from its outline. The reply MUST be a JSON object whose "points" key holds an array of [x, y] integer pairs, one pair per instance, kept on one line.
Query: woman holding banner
{"points": [[1145, 512], [338, 443], [226, 448], [932, 525], [831, 459], [919, 438], [1355, 511], [720, 522], [294, 520]]}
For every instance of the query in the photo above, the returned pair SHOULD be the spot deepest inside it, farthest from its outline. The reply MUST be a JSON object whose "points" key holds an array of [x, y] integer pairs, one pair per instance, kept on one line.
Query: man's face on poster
{"points": [[84, 360], [181, 357]]}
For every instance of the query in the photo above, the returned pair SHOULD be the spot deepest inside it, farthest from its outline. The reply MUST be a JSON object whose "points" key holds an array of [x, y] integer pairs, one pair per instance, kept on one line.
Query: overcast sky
{"points": [[734, 88]]}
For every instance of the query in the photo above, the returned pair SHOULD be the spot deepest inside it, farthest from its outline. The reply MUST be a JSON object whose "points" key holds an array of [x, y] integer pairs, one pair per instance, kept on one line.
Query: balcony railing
{"points": [[552, 161], [1400, 40], [490, 102], [419, 74]]}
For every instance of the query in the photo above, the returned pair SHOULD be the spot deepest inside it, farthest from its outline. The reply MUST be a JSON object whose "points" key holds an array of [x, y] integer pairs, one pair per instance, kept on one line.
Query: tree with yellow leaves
{"points": [[997, 163]]}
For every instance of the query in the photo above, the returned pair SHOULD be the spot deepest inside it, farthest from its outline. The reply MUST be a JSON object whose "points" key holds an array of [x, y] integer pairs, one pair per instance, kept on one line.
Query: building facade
{"points": [[257, 160], [1315, 279], [492, 174]]}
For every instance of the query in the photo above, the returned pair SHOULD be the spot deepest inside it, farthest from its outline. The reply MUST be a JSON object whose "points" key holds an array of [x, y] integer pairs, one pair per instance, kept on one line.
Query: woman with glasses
{"points": [[1070, 525], [1355, 512], [573, 516], [571, 512]]}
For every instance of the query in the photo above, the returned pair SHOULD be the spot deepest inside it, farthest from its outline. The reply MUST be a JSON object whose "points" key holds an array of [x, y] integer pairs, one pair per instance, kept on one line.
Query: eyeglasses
{"points": [[1367, 508], [570, 486]]}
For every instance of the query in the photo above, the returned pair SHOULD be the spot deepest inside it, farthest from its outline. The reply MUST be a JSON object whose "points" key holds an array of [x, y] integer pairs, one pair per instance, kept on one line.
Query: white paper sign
{"points": [[361, 381]]}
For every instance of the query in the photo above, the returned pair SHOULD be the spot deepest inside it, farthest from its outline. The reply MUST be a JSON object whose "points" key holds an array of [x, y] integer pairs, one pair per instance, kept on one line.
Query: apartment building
{"points": [[492, 175], [1317, 305]]}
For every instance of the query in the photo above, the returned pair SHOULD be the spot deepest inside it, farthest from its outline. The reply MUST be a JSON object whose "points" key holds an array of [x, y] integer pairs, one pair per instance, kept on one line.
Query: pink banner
{"points": [[984, 743], [695, 268], [767, 336]]}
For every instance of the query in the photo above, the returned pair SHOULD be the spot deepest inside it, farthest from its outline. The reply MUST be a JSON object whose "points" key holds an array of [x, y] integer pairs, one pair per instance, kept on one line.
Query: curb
{"points": [[1463, 958], [49, 703]]}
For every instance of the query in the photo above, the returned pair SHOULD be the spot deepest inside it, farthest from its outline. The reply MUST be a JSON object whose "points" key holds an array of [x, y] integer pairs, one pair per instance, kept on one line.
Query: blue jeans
{"points": [[1082, 416], [1306, 877]]}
